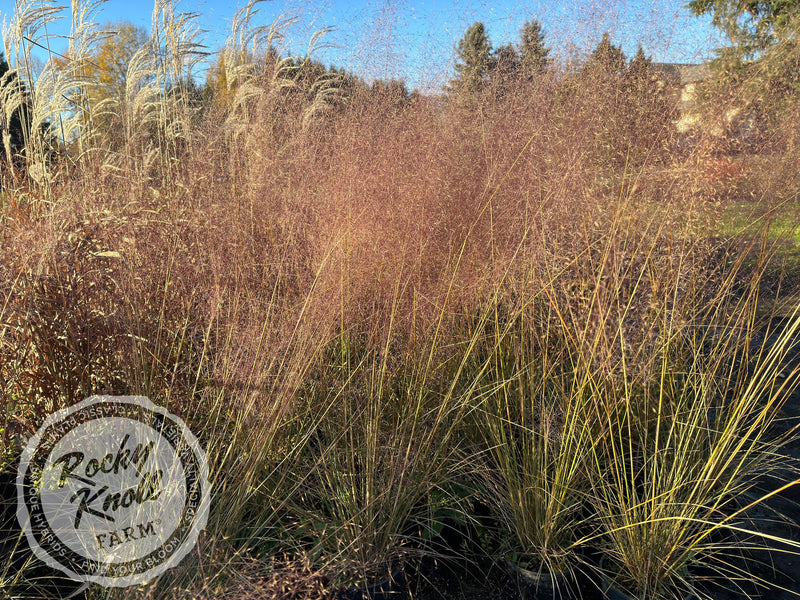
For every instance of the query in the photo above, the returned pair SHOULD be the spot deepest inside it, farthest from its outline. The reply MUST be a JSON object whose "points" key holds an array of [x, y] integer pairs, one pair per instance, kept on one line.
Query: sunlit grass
{"points": [[376, 311]]}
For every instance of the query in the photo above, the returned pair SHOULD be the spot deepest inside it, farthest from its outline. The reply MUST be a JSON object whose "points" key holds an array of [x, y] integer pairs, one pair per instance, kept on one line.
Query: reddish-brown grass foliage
{"points": [[386, 206]]}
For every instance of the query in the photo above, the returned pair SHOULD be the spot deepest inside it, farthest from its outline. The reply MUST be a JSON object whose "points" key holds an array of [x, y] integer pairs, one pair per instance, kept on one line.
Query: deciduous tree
{"points": [[103, 76], [105, 71]]}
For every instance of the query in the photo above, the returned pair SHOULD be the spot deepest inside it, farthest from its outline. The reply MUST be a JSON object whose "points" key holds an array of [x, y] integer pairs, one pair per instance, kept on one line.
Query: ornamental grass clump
{"points": [[384, 446], [376, 307], [687, 428], [532, 440]]}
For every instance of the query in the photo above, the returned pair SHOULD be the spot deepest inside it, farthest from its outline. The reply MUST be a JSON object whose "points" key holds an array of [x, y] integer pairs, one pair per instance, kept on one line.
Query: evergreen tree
{"points": [[231, 70], [648, 114], [16, 133], [473, 64], [639, 69], [533, 53], [607, 59], [619, 115], [753, 26], [504, 67], [393, 91], [761, 67]]}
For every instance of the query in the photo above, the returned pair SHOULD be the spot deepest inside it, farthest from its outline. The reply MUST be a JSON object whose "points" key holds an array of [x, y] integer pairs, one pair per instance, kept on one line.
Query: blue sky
{"points": [[415, 40]]}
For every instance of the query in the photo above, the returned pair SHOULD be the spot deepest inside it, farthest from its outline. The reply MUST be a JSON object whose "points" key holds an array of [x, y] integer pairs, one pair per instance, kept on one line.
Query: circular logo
{"points": [[113, 490]]}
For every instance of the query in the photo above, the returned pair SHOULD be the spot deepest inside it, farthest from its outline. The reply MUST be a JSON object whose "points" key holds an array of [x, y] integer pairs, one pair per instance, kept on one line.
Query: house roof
{"points": [[683, 73]]}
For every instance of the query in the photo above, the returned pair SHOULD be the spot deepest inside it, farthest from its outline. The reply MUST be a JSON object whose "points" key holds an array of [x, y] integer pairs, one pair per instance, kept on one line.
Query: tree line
{"points": [[105, 74], [760, 68]]}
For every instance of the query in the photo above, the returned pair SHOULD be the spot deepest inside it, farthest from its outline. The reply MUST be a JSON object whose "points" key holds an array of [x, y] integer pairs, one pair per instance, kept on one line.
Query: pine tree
{"points": [[504, 67], [639, 69], [648, 113], [602, 85], [473, 52], [607, 59], [533, 53], [761, 67], [753, 26]]}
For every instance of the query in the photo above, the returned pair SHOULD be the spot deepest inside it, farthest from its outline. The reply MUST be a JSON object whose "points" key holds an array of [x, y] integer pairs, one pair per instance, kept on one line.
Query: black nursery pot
{"points": [[38, 579], [394, 587], [611, 592], [541, 585]]}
